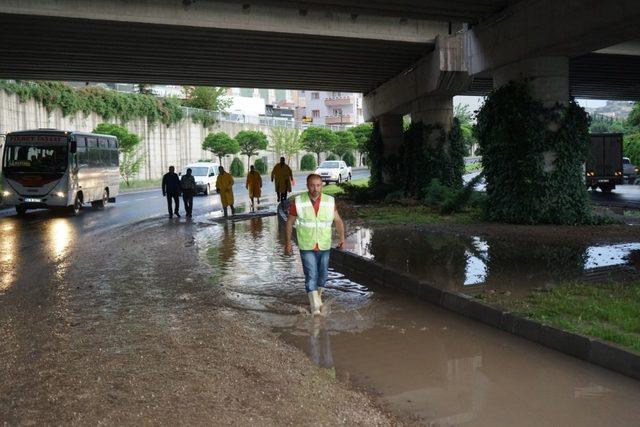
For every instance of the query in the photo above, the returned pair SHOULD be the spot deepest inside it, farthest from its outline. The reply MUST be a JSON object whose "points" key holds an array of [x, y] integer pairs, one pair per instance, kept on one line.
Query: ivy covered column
{"points": [[534, 141], [391, 135]]}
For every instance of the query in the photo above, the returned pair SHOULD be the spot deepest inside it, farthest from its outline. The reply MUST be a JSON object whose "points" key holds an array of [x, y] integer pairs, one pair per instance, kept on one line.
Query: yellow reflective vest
{"points": [[312, 229]]}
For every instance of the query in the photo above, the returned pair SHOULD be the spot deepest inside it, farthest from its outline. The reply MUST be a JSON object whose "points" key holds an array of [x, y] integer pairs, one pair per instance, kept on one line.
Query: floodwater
{"points": [[424, 363], [474, 264]]}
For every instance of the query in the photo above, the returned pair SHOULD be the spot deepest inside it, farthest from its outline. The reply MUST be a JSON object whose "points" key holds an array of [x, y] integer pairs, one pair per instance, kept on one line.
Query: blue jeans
{"points": [[316, 269]]}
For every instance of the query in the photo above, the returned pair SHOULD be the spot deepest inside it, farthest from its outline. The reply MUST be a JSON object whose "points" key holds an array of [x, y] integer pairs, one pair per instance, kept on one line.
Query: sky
{"points": [[475, 102]]}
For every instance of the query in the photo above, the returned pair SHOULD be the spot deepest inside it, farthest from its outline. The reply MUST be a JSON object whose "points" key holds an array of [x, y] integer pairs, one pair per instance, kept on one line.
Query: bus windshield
{"points": [[35, 158]]}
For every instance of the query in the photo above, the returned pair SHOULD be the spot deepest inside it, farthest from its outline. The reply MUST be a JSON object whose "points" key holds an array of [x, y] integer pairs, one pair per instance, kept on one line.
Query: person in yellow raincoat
{"points": [[254, 185], [282, 176], [224, 187]]}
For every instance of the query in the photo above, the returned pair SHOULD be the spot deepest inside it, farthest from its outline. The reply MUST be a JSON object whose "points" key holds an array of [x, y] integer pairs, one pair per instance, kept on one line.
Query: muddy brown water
{"points": [[424, 363]]}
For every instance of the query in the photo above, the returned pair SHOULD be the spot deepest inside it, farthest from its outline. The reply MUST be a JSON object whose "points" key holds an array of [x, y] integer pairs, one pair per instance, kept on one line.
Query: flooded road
{"points": [[424, 363]]}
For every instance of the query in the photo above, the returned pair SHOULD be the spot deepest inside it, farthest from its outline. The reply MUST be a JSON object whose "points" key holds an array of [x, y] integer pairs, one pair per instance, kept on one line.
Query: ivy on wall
{"points": [[106, 103], [428, 152], [532, 158]]}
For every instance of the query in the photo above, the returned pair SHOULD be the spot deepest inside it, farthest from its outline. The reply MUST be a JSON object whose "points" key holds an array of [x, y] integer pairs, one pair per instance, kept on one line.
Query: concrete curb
{"points": [[592, 350]]}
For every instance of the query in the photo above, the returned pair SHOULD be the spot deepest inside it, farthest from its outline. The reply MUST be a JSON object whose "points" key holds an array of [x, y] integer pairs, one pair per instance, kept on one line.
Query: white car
{"points": [[205, 175], [334, 171]]}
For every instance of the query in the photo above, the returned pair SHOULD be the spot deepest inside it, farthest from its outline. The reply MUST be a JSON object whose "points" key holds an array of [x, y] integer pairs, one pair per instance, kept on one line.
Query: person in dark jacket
{"points": [[171, 190], [188, 184]]}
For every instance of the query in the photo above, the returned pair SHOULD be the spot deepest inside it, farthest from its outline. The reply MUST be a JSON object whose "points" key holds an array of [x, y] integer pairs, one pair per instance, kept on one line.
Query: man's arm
{"points": [[288, 248], [340, 227], [164, 185]]}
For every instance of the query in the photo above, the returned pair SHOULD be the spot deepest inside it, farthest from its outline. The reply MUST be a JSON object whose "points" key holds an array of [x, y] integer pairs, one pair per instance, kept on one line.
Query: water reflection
{"points": [[473, 263], [9, 246], [60, 235]]}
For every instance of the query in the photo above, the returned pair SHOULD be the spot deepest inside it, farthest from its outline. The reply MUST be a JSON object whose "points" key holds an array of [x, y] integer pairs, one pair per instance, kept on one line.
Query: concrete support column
{"points": [[391, 131], [433, 110], [549, 77]]}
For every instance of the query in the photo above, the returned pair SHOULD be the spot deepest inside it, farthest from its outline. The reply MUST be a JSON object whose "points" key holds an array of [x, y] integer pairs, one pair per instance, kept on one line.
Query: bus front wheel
{"points": [[74, 209]]}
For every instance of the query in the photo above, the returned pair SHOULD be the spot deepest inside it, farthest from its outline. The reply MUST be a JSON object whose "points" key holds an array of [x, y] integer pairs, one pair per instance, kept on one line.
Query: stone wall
{"points": [[177, 145]]}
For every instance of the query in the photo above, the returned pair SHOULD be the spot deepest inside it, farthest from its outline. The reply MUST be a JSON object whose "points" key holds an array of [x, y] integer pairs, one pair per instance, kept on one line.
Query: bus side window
{"points": [[113, 151], [105, 155], [93, 152], [81, 151]]}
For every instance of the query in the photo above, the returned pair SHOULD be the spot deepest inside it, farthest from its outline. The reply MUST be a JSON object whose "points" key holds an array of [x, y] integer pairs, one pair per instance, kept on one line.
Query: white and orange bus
{"points": [[57, 169]]}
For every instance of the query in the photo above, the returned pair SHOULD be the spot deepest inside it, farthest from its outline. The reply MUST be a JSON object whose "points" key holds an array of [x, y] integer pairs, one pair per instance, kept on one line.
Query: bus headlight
{"points": [[60, 194]]}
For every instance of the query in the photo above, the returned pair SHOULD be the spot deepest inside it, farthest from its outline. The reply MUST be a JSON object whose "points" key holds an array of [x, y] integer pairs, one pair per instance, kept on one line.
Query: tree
{"points": [[251, 142], [345, 143], [634, 117], [207, 98], [604, 124], [362, 134], [465, 117], [632, 147], [307, 163], [318, 140], [220, 144], [286, 142], [128, 143]]}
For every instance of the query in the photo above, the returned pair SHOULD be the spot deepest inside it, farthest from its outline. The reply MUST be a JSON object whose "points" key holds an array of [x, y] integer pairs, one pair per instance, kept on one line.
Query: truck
{"points": [[334, 171], [604, 167]]}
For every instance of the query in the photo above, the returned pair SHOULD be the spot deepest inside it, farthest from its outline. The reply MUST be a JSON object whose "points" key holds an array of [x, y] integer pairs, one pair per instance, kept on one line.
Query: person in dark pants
{"points": [[188, 185], [171, 190]]}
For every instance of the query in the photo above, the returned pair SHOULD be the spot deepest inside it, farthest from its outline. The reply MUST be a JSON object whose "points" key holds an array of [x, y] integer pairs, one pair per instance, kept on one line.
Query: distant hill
{"points": [[613, 109]]}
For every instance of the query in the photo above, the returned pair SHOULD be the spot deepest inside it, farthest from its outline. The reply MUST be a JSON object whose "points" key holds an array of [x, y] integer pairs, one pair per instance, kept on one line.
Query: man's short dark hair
{"points": [[189, 170], [313, 176]]}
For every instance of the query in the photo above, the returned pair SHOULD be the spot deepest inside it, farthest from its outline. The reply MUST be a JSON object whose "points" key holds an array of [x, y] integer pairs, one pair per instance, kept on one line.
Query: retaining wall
{"points": [[177, 145]]}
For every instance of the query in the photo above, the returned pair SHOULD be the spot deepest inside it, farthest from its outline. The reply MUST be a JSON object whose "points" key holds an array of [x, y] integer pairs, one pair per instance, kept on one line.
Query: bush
{"points": [[237, 168], [332, 157], [308, 162], [632, 147], [461, 198], [261, 166], [349, 159], [436, 194]]}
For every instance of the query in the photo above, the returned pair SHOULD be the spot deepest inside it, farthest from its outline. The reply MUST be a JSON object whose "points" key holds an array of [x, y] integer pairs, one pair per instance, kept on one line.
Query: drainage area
{"points": [[422, 362]]}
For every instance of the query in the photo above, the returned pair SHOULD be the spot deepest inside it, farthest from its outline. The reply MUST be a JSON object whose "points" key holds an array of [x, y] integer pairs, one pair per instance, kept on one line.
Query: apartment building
{"points": [[331, 108]]}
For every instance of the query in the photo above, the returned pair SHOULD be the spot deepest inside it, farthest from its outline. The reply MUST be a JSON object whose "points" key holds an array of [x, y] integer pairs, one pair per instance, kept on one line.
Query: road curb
{"points": [[590, 349]]}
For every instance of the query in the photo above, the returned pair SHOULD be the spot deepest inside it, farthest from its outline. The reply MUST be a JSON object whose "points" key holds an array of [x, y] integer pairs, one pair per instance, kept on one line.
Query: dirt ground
{"points": [[129, 330]]}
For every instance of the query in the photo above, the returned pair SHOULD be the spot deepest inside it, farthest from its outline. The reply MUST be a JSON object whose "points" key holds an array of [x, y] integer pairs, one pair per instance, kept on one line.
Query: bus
{"points": [[55, 169]]}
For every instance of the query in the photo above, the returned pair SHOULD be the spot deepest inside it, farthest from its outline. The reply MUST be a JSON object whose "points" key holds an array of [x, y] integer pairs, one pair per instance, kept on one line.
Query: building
{"points": [[330, 108]]}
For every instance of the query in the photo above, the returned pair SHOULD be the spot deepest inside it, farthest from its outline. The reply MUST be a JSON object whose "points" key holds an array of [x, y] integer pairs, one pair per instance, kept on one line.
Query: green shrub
{"points": [[308, 162], [461, 198], [261, 166], [436, 194], [332, 157], [237, 168], [632, 147], [349, 159]]}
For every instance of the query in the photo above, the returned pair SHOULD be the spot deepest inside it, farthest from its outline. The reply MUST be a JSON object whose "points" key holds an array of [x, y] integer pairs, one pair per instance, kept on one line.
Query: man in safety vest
{"points": [[313, 213]]}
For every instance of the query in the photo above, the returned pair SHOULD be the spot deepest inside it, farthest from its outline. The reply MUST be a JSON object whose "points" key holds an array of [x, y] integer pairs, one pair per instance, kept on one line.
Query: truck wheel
{"points": [[21, 210]]}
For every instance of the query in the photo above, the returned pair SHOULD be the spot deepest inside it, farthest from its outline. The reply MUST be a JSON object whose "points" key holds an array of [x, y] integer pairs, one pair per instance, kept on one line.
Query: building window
{"points": [[337, 112], [336, 94], [315, 95], [315, 113]]}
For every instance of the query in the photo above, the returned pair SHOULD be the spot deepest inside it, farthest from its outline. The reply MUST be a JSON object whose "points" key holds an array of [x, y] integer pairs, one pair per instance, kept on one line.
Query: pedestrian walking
{"points": [[254, 185], [188, 186], [313, 214], [224, 187], [282, 176], [171, 190]]}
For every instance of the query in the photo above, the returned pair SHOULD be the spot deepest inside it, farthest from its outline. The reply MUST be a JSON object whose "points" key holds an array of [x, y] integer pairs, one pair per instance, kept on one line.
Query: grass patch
{"points": [[606, 311], [472, 167], [141, 184], [390, 214], [334, 190]]}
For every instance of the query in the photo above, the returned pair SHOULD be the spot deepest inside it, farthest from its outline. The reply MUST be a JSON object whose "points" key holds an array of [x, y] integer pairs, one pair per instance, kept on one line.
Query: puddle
{"points": [[425, 363], [473, 264]]}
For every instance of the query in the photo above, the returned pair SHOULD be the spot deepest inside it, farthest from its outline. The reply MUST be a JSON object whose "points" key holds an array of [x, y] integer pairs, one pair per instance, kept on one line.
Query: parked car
{"points": [[205, 175], [334, 171], [629, 170]]}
